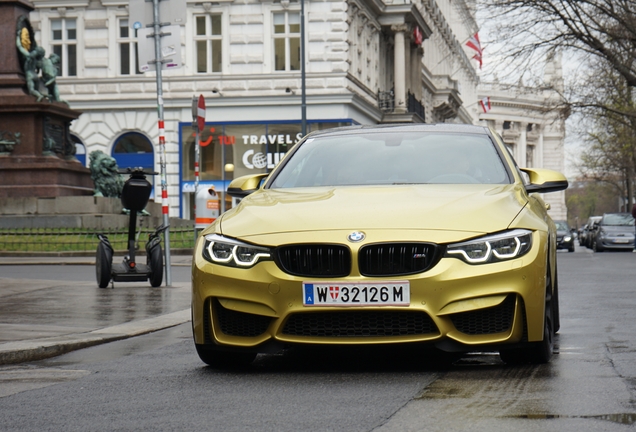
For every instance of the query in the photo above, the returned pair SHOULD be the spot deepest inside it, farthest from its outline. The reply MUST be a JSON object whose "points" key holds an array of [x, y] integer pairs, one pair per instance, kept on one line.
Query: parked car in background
{"points": [[613, 231], [585, 239], [565, 235], [382, 235]]}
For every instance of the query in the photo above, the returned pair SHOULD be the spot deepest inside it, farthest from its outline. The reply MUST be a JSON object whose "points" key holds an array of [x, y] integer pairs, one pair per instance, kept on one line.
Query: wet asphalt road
{"points": [[157, 382]]}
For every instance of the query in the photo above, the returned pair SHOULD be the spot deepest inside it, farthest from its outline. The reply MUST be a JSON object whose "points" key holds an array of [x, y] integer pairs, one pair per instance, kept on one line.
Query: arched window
{"points": [[132, 150], [80, 149]]}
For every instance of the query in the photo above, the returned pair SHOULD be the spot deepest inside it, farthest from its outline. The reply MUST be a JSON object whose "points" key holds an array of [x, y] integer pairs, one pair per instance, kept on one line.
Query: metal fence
{"points": [[83, 240]]}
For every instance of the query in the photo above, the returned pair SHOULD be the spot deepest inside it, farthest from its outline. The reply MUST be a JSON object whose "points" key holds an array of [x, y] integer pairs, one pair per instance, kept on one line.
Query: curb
{"points": [[39, 349]]}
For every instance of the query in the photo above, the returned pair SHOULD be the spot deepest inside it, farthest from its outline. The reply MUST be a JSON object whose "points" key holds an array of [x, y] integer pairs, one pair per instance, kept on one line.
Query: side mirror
{"points": [[544, 180], [245, 185]]}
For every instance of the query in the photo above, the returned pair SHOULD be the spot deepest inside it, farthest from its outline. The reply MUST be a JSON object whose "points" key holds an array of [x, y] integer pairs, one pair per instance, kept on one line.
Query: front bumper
{"points": [[453, 304], [616, 242]]}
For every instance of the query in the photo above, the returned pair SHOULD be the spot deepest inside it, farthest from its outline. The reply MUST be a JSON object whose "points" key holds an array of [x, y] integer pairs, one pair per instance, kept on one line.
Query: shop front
{"points": [[233, 149]]}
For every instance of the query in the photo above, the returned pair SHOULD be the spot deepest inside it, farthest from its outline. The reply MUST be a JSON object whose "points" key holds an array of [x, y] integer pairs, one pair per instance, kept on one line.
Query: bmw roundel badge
{"points": [[356, 236]]}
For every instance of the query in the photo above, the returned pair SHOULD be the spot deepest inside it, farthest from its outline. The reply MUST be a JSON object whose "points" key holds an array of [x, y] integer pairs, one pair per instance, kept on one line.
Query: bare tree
{"points": [[605, 29], [608, 105]]}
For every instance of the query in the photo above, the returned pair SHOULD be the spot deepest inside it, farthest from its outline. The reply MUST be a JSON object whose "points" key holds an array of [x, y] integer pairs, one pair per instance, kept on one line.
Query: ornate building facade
{"points": [[531, 122], [366, 62]]}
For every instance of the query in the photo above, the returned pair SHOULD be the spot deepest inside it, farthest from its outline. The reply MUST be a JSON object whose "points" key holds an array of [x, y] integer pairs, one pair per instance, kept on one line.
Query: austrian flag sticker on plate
{"points": [[382, 293]]}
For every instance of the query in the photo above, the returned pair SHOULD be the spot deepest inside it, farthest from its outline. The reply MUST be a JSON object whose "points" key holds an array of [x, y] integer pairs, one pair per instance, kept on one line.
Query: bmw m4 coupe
{"points": [[428, 235]]}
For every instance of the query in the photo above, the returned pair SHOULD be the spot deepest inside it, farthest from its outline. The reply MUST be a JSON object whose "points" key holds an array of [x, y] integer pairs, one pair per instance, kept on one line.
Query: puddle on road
{"points": [[624, 418]]}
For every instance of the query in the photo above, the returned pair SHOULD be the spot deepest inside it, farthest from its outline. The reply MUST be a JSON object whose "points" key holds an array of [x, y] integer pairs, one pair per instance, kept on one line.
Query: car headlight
{"points": [[226, 251], [567, 238], [492, 248]]}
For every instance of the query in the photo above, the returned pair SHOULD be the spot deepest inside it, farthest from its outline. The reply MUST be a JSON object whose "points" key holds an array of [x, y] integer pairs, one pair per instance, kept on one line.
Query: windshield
{"points": [[562, 226], [618, 219], [384, 158]]}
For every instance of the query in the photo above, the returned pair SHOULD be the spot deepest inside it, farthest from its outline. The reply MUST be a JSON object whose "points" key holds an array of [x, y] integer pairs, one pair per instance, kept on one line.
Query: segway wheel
{"points": [[155, 261], [103, 265]]}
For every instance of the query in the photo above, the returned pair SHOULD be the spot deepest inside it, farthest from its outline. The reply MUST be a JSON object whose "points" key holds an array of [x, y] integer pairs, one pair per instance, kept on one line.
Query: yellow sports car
{"points": [[371, 235]]}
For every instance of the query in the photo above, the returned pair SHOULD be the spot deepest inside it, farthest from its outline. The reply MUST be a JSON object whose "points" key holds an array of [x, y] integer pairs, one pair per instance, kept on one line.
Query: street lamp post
{"points": [[303, 97]]}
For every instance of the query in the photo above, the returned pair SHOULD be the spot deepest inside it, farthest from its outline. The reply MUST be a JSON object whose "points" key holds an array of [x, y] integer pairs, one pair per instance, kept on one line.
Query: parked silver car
{"points": [[585, 237], [613, 231]]}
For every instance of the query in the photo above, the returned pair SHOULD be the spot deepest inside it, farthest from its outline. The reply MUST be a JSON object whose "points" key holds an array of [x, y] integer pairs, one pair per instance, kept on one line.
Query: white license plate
{"points": [[393, 293], [622, 241]]}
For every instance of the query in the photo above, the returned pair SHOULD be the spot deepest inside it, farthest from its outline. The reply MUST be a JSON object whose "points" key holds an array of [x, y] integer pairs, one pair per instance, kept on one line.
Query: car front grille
{"points": [[395, 259], [496, 319], [314, 260], [359, 324], [235, 323]]}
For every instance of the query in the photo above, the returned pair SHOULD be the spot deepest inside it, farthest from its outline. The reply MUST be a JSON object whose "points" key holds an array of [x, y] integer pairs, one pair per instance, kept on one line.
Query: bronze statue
{"points": [[34, 61], [105, 174]]}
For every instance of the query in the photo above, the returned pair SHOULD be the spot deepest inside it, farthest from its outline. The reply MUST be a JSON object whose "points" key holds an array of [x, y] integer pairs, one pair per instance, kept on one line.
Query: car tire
{"points": [[571, 249], [103, 265], [155, 262], [539, 352], [224, 359], [596, 247]]}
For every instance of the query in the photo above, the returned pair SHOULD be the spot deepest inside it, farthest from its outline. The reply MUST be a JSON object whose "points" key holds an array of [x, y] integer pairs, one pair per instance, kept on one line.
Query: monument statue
{"points": [[35, 62], [37, 149], [105, 174]]}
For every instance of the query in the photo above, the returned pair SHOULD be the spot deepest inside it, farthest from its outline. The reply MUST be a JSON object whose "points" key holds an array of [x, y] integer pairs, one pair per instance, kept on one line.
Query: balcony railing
{"points": [[386, 101], [415, 106]]}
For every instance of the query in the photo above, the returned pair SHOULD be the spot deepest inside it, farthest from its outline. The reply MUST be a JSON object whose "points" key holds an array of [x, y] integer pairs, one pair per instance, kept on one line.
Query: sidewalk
{"points": [[45, 318]]}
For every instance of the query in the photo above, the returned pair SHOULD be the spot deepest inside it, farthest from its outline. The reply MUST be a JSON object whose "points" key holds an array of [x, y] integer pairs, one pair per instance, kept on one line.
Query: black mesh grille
{"points": [[491, 320], [359, 324], [314, 260], [394, 259], [235, 323]]}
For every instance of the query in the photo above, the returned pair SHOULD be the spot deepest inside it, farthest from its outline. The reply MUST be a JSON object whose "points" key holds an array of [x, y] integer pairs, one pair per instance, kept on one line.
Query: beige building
{"points": [[366, 62], [532, 125]]}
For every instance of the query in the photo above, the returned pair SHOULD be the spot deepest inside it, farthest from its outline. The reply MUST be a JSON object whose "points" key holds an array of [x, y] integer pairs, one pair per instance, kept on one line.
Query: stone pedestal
{"points": [[36, 152]]}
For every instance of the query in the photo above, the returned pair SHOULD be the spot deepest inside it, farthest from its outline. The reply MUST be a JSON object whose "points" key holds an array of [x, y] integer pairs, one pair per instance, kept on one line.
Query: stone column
{"points": [[523, 142], [399, 64]]}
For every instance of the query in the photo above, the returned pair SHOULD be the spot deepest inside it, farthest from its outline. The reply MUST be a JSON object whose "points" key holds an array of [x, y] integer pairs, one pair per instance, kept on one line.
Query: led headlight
{"points": [[492, 248], [223, 250], [567, 238]]}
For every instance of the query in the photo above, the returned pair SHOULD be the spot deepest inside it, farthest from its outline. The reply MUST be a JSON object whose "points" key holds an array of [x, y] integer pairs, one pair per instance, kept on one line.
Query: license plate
{"points": [[393, 293], [622, 241]]}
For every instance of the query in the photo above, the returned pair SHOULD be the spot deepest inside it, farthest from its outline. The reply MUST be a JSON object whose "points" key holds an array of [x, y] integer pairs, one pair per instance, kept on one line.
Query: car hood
{"points": [[466, 208]]}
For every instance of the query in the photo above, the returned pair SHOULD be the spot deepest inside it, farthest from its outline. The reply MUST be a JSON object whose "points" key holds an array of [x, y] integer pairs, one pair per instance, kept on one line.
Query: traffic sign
{"points": [[141, 12], [201, 113], [170, 48]]}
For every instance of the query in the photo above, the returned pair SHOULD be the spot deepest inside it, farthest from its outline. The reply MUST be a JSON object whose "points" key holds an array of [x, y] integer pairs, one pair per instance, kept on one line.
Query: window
{"points": [[133, 149], [80, 149], [530, 156], [64, 44], [208, 36], [287, 41], [128, 64]]}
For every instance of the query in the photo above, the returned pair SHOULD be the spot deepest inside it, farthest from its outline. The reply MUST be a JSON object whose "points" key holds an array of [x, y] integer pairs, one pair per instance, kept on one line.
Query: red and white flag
{"points": [[474, 44], [485, 104]]}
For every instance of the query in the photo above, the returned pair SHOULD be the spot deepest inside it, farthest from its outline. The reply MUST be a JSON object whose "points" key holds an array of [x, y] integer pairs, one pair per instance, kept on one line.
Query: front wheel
{"points": [[596, 247], [155, 261], [103, 264], [539, 352]]}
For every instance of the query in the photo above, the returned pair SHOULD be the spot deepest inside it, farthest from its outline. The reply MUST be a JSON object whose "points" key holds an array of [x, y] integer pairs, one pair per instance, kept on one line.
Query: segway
{"points": [[134, 197]]}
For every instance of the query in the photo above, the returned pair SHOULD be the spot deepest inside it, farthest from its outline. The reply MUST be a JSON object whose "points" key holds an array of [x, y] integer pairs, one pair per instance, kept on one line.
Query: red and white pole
{"points": [[162, 141]]}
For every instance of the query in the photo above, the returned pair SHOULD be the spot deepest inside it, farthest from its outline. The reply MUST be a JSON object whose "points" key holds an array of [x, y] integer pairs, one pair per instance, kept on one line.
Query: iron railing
{"points": [[80, 240]]}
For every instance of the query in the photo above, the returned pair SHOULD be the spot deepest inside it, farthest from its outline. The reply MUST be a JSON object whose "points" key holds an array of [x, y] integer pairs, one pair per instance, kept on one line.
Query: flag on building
{"points": [[474, 44], [485, 104], [418, 36]]}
